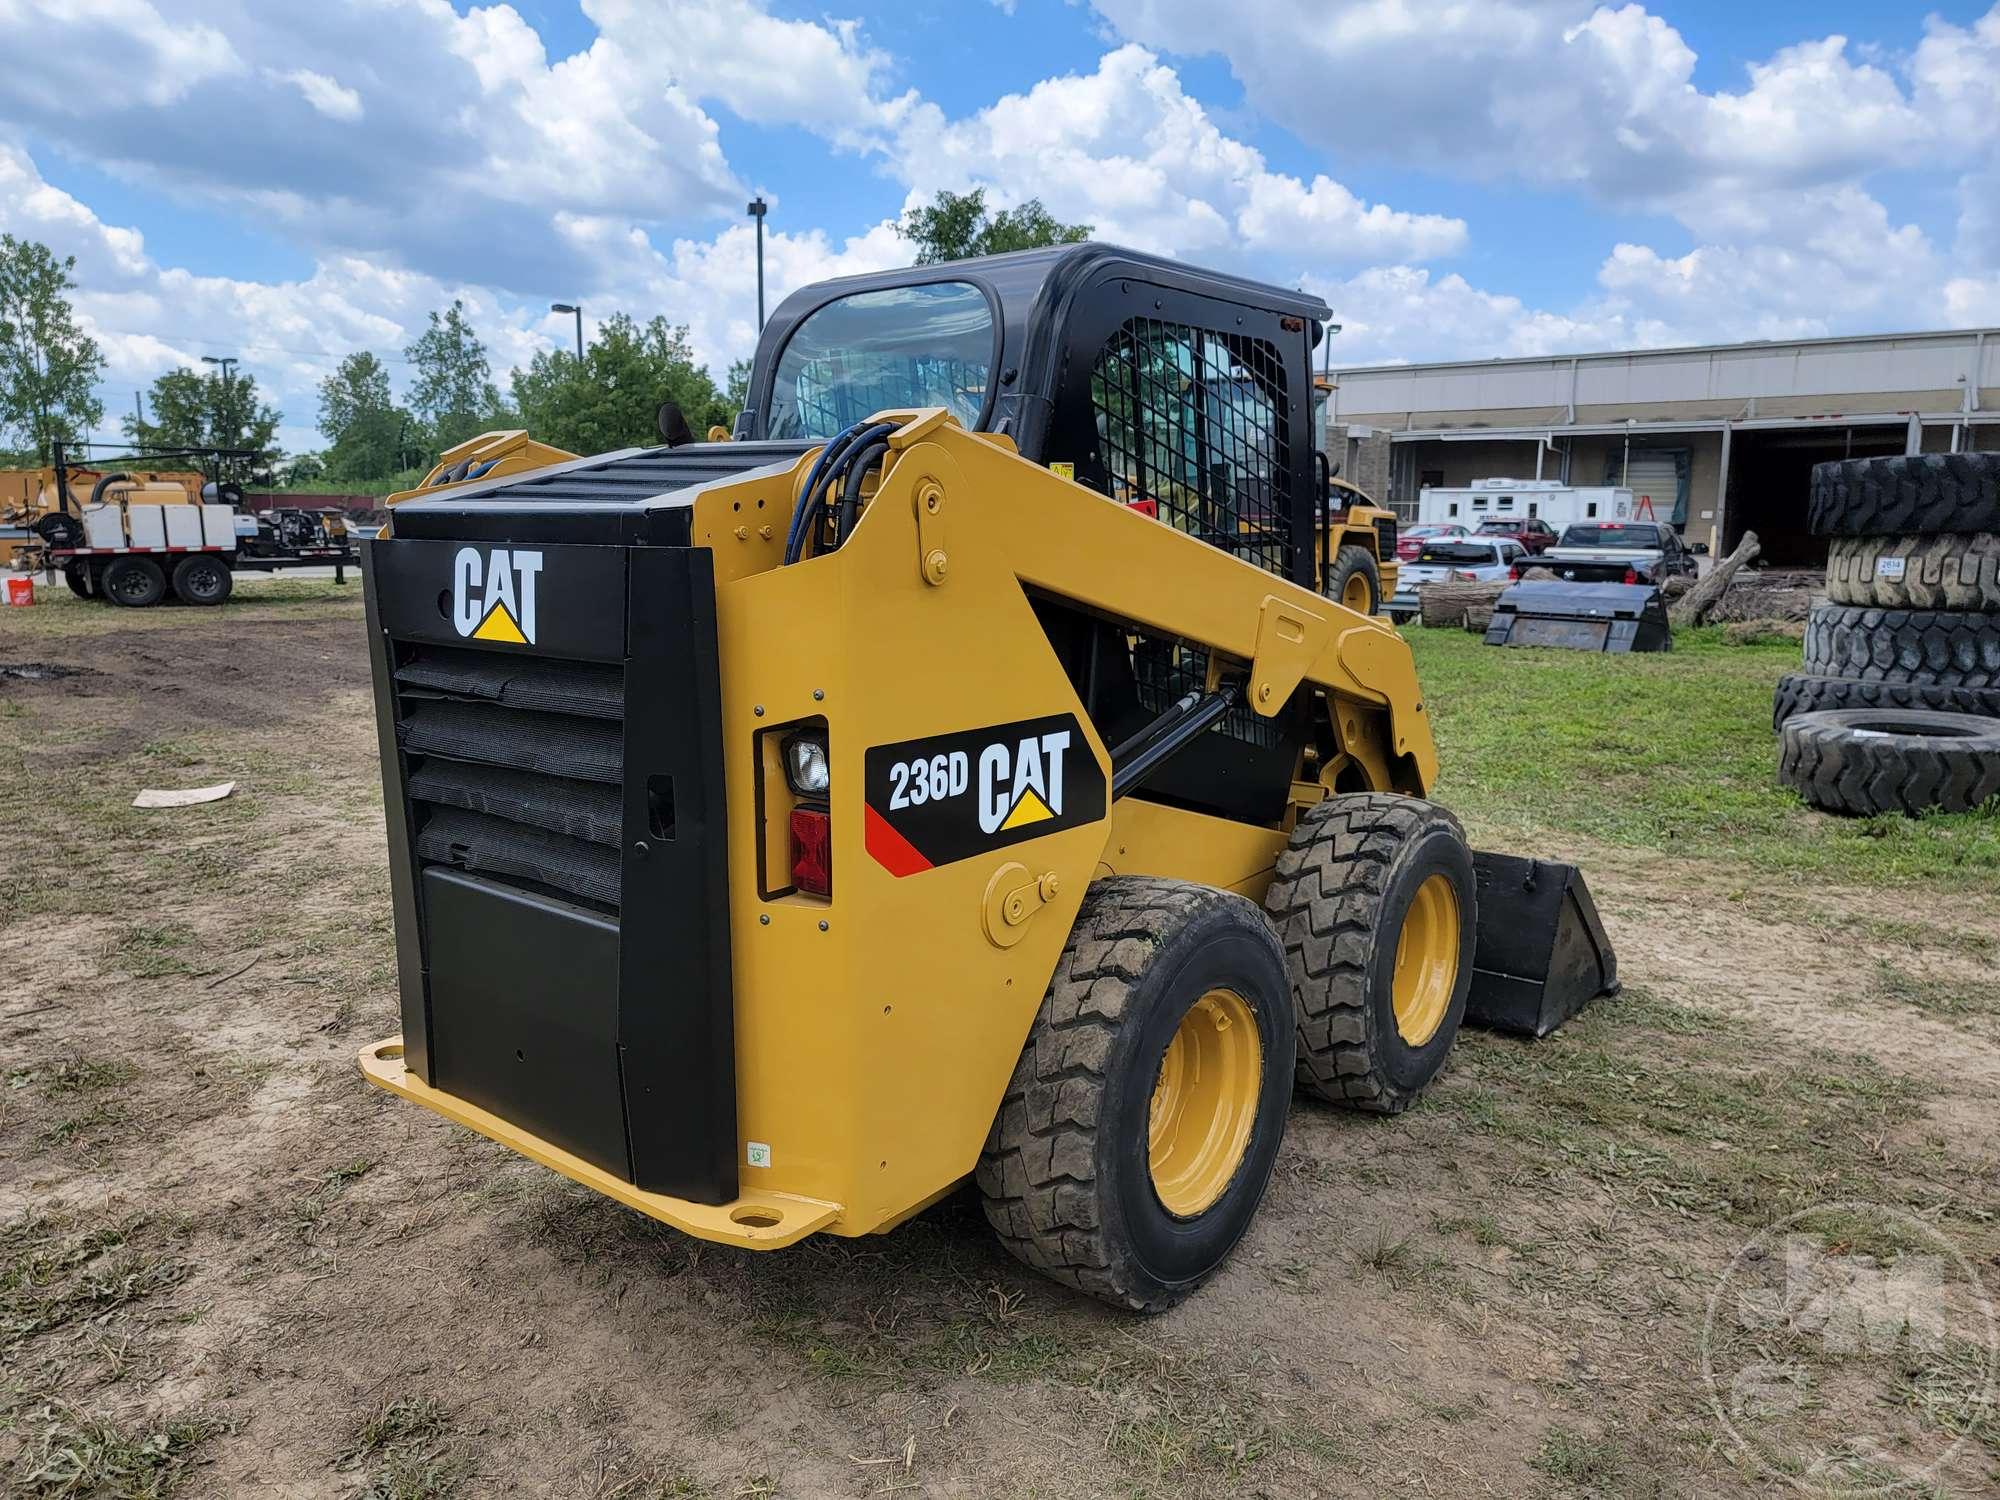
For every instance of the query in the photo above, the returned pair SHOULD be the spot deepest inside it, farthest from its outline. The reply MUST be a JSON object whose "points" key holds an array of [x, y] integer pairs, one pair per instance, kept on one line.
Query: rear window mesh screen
{"points": [[1193, 423]]}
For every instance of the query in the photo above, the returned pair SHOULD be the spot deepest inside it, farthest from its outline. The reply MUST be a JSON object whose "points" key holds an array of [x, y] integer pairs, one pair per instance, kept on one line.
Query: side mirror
{"points": [[673, 425]]}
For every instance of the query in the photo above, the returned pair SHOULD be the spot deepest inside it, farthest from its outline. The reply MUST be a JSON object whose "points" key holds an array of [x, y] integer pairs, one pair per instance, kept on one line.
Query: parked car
{"points": [[1465, 559], [1411, 542], [1531, 532], [1619, 552]]}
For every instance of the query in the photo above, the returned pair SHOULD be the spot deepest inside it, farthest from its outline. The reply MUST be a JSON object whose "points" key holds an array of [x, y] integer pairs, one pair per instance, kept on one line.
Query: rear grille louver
{"points": [[516, 767]]}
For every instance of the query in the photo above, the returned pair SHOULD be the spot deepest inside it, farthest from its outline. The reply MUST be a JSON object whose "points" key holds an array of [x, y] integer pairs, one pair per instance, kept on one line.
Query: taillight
{"points": [[1514, 572], [1631, 575], [812, 851]]}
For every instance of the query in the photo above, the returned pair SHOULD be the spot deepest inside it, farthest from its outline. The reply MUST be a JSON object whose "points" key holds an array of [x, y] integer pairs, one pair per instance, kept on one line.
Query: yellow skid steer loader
{"points": [[959, 775]]}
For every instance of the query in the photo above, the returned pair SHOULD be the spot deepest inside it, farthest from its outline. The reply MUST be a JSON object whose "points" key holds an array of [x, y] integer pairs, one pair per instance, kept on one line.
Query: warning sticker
{"points": [[951, 796]]}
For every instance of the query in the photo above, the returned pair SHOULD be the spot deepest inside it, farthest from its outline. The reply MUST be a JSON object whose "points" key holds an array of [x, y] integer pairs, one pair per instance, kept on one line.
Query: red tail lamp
{"points": [[812, 851], [1631, 575]]}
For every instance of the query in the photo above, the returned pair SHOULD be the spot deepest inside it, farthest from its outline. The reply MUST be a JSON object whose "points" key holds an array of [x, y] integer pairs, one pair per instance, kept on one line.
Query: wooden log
{"points": [[1693, 606], [1443, 605]]}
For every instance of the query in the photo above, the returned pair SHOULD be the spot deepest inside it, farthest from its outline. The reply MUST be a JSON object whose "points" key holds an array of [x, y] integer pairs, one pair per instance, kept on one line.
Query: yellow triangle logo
{"points": [[1030, 809], [499, 626]]}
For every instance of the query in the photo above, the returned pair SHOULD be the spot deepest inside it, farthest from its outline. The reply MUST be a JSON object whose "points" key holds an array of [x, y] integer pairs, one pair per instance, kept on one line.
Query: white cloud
{"points": [[1593, 99], [66, 55], [1127, 149], [327, 95], [1848, 268], [149, 318]]}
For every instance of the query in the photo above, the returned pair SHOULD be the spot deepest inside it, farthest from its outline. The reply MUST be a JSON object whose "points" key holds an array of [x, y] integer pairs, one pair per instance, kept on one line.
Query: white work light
{"points": [[805, 765]]}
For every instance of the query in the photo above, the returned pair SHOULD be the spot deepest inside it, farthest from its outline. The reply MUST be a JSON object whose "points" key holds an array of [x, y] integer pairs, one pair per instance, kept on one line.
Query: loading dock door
{"points": [[1654, 477]]}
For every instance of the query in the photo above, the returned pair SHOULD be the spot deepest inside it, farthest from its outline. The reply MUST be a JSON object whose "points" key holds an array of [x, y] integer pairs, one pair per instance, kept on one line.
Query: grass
{"points": [[1670, 752], [52, 1275], [154, 950], [406, 1448], [1578, 1460], [57, 612], [1950, 999], [76, 1074], [64, 1452]]}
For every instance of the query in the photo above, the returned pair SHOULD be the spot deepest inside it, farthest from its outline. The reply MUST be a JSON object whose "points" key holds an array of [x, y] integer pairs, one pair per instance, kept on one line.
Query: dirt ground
{"points": [[230, 1267]]}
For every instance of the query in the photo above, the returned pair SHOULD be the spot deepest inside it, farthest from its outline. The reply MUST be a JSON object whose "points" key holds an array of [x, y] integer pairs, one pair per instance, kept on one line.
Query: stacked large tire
{"points": [[1898, 708]]}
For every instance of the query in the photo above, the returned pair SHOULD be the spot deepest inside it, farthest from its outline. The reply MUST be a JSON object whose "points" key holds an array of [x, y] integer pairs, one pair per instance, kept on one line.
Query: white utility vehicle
{"points": [[1525, 499]]}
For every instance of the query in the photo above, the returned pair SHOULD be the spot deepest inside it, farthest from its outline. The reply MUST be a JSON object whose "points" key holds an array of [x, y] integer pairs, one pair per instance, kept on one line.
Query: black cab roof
{"points": [[1030, 293]]}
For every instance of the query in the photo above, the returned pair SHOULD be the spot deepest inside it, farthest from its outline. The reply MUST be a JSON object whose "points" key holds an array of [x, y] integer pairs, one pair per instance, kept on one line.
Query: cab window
{"points": [[932, 344]]}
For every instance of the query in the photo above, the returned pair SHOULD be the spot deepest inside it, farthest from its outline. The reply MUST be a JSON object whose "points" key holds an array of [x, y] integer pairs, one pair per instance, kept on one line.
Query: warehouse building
{"points": [[1720, 439]]}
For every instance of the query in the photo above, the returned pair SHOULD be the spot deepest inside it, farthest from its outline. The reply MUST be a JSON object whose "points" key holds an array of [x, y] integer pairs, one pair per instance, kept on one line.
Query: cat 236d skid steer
{"points": [[971, 770]]}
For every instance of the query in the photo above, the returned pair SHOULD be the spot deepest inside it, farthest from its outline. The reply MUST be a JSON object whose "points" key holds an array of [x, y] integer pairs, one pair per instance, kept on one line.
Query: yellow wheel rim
{"points": [[1426, 961], [1354, 593], [1204, 1103]]}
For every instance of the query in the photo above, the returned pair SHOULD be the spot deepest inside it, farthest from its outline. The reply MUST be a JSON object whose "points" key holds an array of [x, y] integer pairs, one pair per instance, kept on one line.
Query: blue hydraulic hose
{"points": [[837, 454], [833, 449]]}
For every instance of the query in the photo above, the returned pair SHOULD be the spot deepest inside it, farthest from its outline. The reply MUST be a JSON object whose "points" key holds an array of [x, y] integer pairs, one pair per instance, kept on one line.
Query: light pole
{"points": [[576, 311], [757, 209], [222, 413]]}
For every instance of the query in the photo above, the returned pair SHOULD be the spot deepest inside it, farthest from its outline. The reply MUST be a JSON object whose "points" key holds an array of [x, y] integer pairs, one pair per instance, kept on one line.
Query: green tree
{"points": [[611, 399], [737, 395], [453, 392], [215, 410], [302, 470], [956, 226], [49, 368], [360, 420]]}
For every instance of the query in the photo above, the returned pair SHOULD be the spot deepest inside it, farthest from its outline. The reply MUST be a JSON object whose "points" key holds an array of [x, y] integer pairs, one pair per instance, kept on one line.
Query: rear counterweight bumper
{"points": [[753, 1220]]}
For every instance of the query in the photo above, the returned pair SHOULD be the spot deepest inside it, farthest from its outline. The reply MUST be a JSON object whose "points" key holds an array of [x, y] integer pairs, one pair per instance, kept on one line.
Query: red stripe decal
{"points": [[890, 849]]}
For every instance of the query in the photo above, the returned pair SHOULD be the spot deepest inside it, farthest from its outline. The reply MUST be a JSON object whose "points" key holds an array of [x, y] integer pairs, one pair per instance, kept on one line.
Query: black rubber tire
{"points": [[1951, 570], [78, 579], [1064, 1175], [1871, 761], [1344, 883], [1926, 493], [1401, 617], [1349, 561], [1951, 648], [135, 582], [1802, 693], [202, 579]]}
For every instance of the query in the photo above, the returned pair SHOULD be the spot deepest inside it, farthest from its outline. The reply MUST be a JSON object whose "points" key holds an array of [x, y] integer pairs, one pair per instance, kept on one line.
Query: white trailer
{"points": [[136, 554], [1548, 500]]}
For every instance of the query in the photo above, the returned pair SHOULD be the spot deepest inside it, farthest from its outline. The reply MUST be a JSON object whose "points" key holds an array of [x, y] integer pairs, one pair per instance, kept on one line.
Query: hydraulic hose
{"points": [[812, 507], [850, 499], [834, 446]]}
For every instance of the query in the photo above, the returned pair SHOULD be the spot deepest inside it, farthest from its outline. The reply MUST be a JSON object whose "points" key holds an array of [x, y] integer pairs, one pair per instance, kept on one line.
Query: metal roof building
{"points": [[1719, 438]]}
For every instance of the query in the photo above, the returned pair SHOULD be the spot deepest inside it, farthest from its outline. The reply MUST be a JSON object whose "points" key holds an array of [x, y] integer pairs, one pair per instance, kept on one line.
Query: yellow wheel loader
{"points": [[960, 775]]}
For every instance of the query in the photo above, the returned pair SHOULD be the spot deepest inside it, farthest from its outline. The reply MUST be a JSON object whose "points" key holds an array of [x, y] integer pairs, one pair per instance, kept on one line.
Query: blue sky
{"points": [[287, 183]]}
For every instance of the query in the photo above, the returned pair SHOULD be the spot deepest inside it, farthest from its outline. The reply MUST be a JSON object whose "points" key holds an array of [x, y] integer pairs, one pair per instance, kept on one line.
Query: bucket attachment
{"points": [[1616, 617], [1540, 952]]}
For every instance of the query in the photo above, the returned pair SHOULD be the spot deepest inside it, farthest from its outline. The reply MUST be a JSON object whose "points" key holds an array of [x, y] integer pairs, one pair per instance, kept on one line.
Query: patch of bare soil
{"points": [[227, 1265]]}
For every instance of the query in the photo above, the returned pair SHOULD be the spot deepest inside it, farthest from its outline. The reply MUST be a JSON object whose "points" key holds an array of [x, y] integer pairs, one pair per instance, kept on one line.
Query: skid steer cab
{"points": [[960, 774]]}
